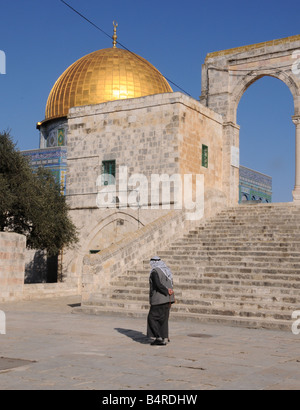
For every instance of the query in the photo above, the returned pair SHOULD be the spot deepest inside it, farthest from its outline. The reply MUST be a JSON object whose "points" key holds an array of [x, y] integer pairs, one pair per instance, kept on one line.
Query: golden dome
{"points": [[104, 75]]}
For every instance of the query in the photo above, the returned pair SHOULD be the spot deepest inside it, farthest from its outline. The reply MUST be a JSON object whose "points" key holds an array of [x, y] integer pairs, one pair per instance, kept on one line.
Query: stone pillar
{"points": [[296, 192], [231, 162]]}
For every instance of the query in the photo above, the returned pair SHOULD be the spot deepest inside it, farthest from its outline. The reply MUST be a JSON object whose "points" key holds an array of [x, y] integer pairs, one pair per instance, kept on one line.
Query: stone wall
{"points": [[48, 290], [12, 266], [160, 134], [140, 134], [198, 127]]}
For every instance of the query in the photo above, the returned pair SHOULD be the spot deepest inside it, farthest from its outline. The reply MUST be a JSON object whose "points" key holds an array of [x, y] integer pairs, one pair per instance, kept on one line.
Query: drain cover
{"points": [[7, 363], [203, 336]]}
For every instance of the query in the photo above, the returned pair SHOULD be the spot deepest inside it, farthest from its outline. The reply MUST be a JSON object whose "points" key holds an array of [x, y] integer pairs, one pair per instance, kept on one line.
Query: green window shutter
{"points": [[108, 172], [205, 156]]}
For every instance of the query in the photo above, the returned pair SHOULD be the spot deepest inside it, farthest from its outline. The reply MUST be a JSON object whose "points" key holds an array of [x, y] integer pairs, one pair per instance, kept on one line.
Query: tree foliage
{"points": [[31, 203]]}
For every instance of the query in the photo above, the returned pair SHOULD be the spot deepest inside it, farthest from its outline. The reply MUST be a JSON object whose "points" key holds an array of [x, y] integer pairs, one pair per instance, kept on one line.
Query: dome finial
{"points": [[115, 34]]}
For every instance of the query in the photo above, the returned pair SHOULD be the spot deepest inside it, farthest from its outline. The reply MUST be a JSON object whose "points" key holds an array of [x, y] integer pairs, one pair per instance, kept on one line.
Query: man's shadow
{"points": [[136, 336]]}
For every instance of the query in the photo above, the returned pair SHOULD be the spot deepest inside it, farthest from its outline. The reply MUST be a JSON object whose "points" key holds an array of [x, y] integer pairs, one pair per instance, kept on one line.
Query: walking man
{"points": [[161, 298]]}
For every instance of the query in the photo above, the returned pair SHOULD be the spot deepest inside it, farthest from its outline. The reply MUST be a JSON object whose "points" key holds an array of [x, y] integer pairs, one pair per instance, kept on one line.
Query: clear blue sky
{"points": [[41, 38]]}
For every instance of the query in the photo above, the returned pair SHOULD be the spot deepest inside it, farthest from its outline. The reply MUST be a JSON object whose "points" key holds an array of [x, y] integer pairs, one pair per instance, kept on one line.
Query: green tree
{"points": [[31, 203]]}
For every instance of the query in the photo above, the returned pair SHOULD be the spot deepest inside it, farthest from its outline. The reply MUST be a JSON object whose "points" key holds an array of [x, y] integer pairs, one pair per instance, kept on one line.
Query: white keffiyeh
{"points": [[156, 262]]}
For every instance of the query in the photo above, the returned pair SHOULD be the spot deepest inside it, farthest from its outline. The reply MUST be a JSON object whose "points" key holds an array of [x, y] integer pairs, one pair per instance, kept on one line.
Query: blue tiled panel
{"points": [[254, 186], [54, 159]]}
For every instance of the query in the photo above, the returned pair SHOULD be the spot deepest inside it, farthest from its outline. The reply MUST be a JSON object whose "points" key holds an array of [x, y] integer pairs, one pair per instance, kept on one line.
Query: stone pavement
{"points": [[59, 350]]}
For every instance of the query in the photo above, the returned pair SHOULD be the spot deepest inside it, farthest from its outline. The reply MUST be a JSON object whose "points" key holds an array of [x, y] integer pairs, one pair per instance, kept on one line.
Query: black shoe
{"points": [[158, 342]]}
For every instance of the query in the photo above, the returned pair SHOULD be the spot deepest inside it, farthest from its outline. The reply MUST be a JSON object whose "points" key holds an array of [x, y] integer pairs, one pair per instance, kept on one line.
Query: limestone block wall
{"points": [[12, 266], [139, 134], [160, 134], [199, 126]]}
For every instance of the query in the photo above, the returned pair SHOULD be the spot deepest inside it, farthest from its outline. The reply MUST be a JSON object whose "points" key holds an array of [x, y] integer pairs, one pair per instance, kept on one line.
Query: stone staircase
{"points": [[241, 268]]}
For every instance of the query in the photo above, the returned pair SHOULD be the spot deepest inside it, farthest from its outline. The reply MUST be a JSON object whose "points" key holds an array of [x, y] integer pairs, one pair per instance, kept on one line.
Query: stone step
{"points": [[238, 241], [235, 238], [234, 243], [202, 250], [244, 229], [243, 237], [261, 225], [235, 246], [255, 275], [242, 266], [249, 223], [184, 253], [254, 216], [180, 252], [234, 227], [233, 260]]}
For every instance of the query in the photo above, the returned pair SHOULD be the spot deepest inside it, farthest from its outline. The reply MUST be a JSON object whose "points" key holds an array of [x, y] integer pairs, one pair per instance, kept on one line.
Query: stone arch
{"points": [[250, 79], [83, 249], [227, 74], [104, 224]]}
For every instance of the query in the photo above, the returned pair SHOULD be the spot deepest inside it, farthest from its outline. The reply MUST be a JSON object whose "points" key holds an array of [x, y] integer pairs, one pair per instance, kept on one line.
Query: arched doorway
{"points": [[267, 137], [227, 74]]}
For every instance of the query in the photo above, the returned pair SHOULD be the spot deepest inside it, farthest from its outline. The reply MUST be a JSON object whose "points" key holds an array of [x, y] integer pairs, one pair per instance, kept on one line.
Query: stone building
{"points": [[125, 131]]}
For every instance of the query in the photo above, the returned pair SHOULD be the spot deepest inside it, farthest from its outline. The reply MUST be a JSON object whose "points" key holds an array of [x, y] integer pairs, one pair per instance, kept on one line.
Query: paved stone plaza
{"points": [[57, 350]]}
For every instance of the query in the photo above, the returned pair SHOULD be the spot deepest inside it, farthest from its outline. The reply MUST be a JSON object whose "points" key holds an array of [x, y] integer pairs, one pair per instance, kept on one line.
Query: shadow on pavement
{"points": [[136, 336]]}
